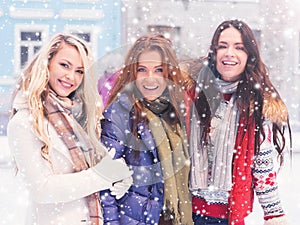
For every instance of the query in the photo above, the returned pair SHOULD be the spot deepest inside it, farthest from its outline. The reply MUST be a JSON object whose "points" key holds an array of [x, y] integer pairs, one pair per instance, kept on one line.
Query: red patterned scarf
{"points": [[241, 196], [60, 116]]}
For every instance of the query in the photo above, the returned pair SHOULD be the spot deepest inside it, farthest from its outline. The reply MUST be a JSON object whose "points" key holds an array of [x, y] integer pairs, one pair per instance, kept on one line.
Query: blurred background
{"points": [[109, 26]]}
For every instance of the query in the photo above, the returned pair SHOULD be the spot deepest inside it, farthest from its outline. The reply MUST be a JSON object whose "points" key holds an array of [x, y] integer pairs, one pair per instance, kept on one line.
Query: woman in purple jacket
{"points": [[143, 124]]}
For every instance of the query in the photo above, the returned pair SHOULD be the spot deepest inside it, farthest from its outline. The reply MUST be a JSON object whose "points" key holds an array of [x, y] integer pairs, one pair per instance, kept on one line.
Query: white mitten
{"points": [[120, 188], [112, 170], [282, 220], [112, 152]]}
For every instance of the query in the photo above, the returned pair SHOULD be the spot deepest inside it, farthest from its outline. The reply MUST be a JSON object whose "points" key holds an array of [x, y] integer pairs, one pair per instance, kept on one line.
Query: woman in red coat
{"points": [[238, 124]]}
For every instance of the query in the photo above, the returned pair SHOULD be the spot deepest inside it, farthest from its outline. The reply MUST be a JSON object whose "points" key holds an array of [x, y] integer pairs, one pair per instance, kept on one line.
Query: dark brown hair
{"points": [[254, 85]]}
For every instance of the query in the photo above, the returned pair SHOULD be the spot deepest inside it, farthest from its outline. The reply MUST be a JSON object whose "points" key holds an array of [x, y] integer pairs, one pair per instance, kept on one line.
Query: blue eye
{"points": [[81, 72], [159, 70], [240, 48], [64, 65], [141, 69], [221, 47]]}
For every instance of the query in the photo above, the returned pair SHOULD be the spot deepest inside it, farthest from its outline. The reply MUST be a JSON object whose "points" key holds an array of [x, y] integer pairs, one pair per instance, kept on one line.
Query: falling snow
{"points": [[191, 24]]}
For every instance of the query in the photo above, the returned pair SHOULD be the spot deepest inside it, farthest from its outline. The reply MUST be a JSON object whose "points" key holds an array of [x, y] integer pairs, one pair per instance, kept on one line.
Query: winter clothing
{"points": [[148, 190], [105, 84], [173, 155], [56, 191], [241, 197], [282, 220], [59, 114], [207, 187], [144, 201], [207, 220]]}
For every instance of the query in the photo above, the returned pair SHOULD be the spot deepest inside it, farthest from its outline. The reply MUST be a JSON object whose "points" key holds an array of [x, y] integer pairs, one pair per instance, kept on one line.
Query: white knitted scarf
{"points": [[211, 173]]}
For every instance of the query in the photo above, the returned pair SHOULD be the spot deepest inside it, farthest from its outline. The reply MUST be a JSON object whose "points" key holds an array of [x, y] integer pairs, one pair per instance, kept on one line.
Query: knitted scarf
{"points": [[211, 174], [240, 193], [174, 158], [241, 196], [83, 154]]}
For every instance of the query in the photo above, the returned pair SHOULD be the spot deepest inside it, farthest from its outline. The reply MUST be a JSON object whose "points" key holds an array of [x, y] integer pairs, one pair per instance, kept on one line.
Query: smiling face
{"points": [[66, 70], [151, 77], [231, 57]]}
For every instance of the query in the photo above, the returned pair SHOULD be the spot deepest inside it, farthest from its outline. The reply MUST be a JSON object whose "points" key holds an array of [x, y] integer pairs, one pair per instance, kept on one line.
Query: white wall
{"points": [[277, 20]]}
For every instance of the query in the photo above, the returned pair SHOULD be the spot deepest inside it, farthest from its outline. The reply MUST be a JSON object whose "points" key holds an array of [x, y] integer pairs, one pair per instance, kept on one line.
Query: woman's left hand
{"points": [[120, 188]]}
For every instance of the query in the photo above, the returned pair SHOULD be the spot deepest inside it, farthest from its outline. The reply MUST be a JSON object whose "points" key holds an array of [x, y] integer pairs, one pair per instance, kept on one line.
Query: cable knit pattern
{"points": [[265, 183], [277, 221]]}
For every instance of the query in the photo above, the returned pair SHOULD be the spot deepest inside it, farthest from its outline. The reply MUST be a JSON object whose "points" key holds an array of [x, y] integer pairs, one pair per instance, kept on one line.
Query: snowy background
{"points": [[192, 23], [13, 195]]}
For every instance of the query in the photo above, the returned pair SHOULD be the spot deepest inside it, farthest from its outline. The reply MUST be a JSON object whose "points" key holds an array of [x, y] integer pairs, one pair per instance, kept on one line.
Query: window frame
{"points": [[19, 28], [92, 30]]}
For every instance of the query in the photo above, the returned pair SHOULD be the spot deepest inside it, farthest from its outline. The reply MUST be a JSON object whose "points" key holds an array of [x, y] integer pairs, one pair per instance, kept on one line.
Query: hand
{"points": [[112, 170], [120, 188]]}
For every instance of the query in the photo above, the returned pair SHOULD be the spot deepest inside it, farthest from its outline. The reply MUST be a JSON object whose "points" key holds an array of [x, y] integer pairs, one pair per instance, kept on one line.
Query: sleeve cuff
{"points": [[282, 220]]}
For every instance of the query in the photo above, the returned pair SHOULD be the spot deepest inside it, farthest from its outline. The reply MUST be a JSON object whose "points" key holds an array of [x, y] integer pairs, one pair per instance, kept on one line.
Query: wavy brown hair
{"points": [[127, 77], [254, 88]]}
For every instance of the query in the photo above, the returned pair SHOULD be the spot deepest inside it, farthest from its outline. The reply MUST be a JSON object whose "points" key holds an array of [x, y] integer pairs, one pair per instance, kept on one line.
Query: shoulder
{"points": [[21, 118], [20, 132], [121, 104]]}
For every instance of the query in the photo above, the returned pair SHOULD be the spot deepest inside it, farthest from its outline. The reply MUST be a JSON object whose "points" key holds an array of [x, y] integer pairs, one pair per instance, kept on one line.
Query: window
{"points": [[32, 0], [84, 36], [87, 33], [28, 41], [30, 44]]}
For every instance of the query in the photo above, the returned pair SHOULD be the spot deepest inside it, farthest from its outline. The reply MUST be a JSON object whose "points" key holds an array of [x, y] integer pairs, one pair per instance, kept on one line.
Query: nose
{"points": [[70, 74], [150, 74], [230, 51]]}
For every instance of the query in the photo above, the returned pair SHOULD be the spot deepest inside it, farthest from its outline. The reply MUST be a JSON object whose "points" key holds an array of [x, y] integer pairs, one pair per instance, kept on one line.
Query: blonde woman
{"points": [[54, 136]]}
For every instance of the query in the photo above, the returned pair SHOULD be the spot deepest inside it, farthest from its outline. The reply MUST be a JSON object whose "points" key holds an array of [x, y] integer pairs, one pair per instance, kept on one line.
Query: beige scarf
{"points": [[82, 151], [174, 158]]}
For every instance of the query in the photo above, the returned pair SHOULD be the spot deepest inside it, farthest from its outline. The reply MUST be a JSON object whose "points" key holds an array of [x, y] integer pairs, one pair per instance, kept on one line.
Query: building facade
{"points": [[26, 24], [191, 23], [109, 25]]}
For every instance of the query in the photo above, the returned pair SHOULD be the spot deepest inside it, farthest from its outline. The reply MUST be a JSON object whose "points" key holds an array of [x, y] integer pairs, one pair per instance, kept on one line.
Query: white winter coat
{"points": [[56, 193]]}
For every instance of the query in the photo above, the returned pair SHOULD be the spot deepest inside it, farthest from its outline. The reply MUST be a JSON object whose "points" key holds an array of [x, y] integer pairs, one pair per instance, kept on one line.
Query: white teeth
{"points": [[66, 84], [229, 63], [150, 87]]}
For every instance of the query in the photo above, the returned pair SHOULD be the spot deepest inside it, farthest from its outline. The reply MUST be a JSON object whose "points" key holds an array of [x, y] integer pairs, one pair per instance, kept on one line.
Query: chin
{"points": [[151, 98], [230, 78]]}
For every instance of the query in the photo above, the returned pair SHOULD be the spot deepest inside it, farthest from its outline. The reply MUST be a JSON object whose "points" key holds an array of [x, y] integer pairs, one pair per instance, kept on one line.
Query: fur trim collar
{"points": [[274, 109]]}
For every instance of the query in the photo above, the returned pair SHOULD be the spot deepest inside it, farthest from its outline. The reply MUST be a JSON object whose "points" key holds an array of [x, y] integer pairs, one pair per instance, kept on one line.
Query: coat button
{"points": [[161, 190]]}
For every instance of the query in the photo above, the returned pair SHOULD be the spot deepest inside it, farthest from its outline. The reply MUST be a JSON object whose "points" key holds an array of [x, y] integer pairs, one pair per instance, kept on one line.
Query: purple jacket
{"points": [[105, 84], [144, 200]]}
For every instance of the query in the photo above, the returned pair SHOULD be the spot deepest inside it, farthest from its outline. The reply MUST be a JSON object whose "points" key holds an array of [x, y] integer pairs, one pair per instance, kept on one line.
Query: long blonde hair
{"points": [[34, 82]]}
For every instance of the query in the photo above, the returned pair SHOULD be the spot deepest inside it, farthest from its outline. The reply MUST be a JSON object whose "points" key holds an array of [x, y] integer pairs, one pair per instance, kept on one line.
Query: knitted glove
{"points": [[119, 189], [112, 170], [282, 220]]}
